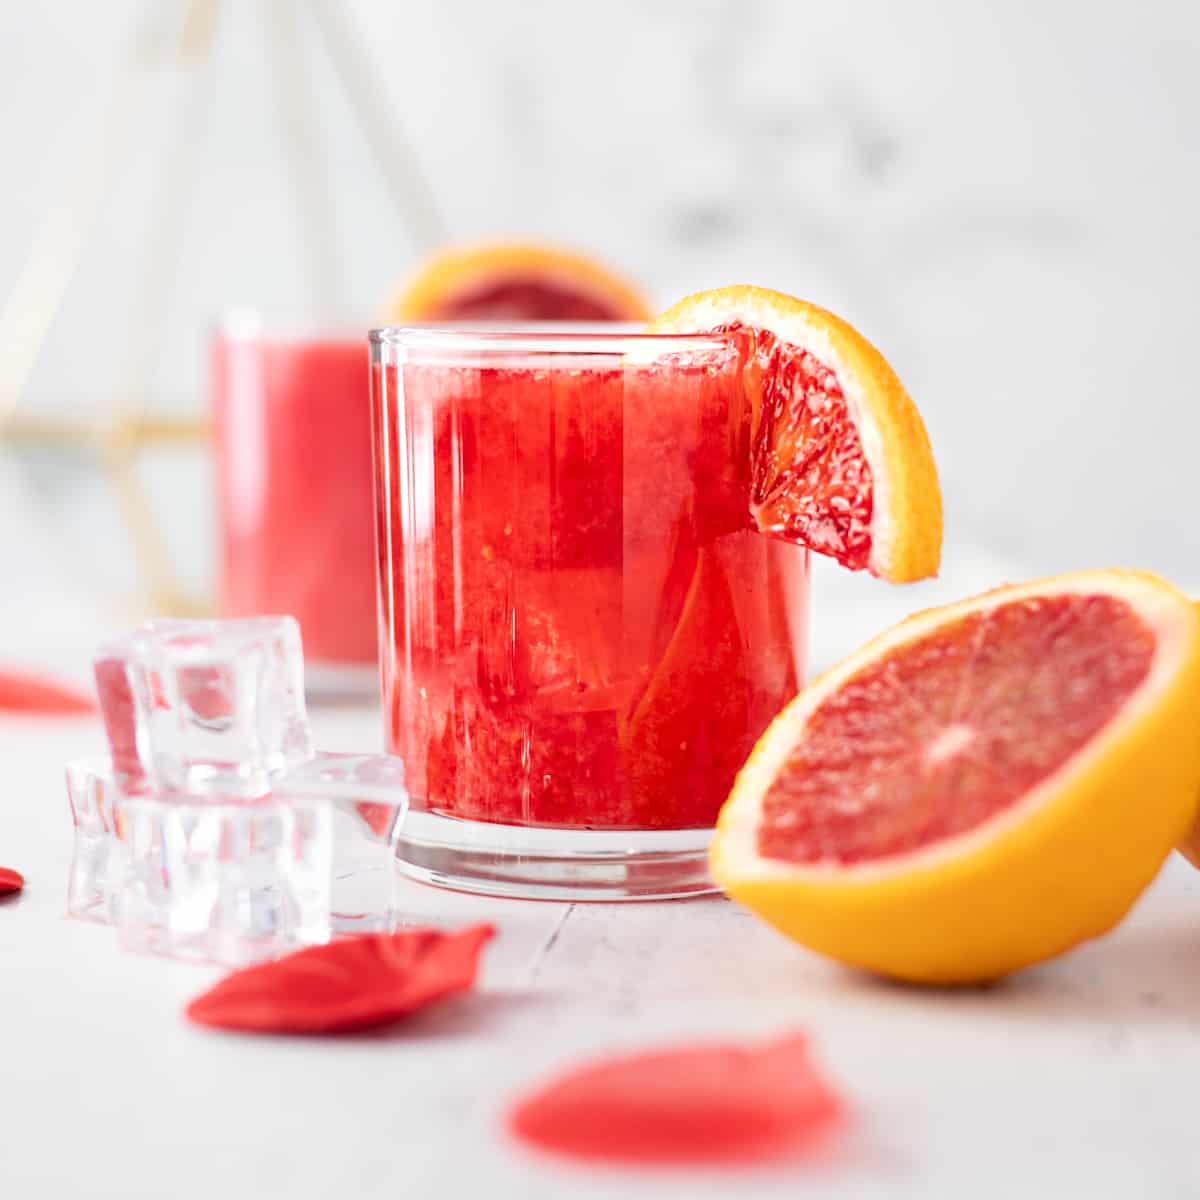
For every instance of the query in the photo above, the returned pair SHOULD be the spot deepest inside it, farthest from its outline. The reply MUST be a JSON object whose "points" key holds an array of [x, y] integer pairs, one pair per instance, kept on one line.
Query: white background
{"points": [[1004, 197]]}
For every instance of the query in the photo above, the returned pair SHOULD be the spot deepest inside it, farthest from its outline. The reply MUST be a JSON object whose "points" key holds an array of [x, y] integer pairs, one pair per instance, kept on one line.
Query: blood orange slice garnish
{"points": [[839, 457], [517, 281], [979, 788]]}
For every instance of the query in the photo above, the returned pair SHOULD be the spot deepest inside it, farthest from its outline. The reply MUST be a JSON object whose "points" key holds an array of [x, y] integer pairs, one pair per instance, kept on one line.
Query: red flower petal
{"points": [[10, 880], [354, 983], [28, 694], [704, 1103]]}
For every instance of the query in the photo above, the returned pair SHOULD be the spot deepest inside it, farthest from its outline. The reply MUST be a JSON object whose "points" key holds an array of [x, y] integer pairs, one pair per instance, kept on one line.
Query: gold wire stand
{"points": [[181, 33]]}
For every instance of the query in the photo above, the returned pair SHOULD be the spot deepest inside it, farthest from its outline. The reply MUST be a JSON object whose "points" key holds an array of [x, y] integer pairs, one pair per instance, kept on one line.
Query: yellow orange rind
{"points": [[461, 271], [1062, 865], [906, 521]]}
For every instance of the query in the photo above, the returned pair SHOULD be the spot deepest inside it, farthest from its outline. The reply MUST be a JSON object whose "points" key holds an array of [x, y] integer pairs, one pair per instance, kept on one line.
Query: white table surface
{"points": [[1077, 1079]]}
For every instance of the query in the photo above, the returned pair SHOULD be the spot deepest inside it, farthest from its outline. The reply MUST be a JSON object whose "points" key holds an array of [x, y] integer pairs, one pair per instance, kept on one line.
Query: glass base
{"points": [[526, 863]]}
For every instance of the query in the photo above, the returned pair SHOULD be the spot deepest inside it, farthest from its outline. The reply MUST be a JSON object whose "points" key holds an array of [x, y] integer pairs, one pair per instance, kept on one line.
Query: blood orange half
{"points": [[516, 281], [979, 788], [840, 460]]}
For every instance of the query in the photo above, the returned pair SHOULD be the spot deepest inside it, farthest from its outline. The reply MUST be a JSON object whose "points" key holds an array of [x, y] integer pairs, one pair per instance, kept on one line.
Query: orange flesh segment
{"points": [[809, 479], [952, 729]]}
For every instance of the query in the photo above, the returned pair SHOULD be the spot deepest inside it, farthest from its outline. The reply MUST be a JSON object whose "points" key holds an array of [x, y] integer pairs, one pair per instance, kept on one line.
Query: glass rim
{"points": [[244, 323], [538, 337]]}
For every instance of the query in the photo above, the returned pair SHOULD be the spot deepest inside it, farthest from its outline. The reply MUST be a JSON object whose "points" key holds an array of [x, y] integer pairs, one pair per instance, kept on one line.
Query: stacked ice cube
{"points": [[214, 831]]}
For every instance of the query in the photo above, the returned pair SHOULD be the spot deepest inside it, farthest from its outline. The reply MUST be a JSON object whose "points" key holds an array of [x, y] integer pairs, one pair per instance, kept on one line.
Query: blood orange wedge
{"points": [[839, 457], [517, 280], [979, 788]]}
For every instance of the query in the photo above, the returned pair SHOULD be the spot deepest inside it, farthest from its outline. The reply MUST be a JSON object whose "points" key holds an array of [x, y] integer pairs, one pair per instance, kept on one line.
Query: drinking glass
{"points": [[582, 634], [292, 436]]}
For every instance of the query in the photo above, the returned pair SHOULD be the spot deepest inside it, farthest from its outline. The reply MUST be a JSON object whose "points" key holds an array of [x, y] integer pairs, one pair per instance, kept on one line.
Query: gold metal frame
{"points": [[182, 33]]}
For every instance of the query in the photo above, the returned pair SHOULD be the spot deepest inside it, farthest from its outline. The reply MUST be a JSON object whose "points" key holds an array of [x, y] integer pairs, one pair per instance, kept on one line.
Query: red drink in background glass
{"points": [[293, 453], [583, 636]]}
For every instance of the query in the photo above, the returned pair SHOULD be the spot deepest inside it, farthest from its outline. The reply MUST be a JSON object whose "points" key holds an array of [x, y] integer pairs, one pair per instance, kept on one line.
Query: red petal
{"points": [[22, 692], [10, 880], [354, 983], [704, 1103]]}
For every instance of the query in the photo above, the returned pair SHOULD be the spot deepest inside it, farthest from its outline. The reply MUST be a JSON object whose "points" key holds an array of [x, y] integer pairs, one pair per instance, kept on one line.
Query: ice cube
{"points": [[226, 880], [367, 800], [205, 707], [214, 832], [100, 860], [117, 709], [232, 879]]}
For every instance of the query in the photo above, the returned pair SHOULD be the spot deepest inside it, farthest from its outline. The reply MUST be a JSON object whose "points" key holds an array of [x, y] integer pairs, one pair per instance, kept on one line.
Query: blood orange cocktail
{"points": [[293, 455], [583, 636]]}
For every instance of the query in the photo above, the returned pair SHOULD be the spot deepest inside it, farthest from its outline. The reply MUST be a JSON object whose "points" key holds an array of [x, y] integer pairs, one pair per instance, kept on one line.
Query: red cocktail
{"points": [[583, 634], [293, 452]]}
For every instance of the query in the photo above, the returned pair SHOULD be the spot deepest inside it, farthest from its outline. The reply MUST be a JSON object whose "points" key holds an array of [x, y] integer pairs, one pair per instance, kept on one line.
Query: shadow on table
{"points": [[1145, 972], [471, 1013]]}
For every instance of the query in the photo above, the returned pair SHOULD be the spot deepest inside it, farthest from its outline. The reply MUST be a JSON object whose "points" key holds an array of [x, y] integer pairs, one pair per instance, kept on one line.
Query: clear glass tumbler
{"points": [[292, 435], [582, 635]]}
